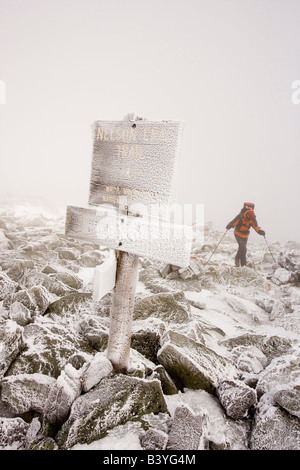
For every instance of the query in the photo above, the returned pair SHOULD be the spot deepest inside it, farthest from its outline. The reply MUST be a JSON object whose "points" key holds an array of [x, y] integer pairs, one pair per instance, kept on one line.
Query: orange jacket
{"points": [[242, 225]]}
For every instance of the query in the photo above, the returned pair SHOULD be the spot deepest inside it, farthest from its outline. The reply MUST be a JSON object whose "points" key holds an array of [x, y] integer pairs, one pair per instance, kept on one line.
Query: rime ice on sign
{"points": [[151, 238], [136, 160]]}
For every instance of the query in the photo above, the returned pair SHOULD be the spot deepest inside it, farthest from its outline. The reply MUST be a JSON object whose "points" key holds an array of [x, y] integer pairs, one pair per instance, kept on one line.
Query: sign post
{"points": [[121, 313], [134, 166]]}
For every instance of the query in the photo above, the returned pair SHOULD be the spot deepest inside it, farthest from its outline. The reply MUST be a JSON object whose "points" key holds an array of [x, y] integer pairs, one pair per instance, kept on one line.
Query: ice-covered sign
{"points": [[147, 237], [135, 162]]}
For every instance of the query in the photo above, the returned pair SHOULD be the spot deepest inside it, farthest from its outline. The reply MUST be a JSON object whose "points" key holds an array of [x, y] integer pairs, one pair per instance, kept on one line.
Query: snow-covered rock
{"points": [[282, 371], [26, 392], [289, 398], [7, 285], [274, 429], [11, 343], [193, 365], [62, 394], [20, 313], [48, 346], [170, 307], [111, 403], [236, 398], [13, 433], [282, 276], [95, 371], [187, 430]]}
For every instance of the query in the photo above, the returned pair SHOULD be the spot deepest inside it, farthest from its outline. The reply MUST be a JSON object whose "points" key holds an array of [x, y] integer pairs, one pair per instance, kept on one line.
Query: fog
{"points": [[228, 68]]}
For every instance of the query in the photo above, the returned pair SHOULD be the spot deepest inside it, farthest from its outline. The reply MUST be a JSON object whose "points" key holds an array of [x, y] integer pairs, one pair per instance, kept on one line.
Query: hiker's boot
{"points": [[237, 262]]}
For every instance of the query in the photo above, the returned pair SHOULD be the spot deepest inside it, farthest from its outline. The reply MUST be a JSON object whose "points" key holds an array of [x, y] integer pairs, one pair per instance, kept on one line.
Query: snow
{"points": [[121, 440]]}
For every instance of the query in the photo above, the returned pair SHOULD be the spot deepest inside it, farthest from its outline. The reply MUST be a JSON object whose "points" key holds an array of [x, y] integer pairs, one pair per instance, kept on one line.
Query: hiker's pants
{"points": [[242, 250]]}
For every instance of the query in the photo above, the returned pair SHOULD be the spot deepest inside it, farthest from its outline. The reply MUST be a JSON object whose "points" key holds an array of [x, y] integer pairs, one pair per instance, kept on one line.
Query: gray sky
{"points": [[225, 67]]}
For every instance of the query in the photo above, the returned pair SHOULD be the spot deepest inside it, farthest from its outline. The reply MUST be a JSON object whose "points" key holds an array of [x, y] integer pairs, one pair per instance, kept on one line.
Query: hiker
{"points": [[242, 224]]}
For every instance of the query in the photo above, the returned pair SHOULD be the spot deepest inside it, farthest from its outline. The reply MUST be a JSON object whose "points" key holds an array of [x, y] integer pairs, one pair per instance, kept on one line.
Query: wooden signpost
{"points": [[134, 166]]}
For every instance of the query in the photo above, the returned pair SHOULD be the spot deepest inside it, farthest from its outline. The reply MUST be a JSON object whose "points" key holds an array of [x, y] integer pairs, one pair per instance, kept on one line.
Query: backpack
{"points": [[247, 206]]}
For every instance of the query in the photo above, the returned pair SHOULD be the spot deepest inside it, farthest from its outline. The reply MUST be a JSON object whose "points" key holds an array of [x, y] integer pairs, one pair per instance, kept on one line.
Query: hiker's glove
{"points": [[261, 232], [229, 226]]}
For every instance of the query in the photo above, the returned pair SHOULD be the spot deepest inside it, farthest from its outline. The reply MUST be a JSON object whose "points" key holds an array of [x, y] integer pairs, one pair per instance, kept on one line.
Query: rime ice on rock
{"points": [[187, 429]]}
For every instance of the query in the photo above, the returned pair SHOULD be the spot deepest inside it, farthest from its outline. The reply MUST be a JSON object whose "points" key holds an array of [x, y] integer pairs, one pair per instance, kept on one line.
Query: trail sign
{"points": [[135, 161], [150, 238]]}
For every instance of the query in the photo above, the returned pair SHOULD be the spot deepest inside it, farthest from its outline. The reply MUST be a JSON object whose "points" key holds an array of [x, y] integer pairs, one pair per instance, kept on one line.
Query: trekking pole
{"points": [[216, 248], [269, 249]]}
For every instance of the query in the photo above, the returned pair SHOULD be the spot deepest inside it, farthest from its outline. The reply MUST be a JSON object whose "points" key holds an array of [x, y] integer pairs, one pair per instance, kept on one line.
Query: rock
{"points": [[95, 371], [49, 345], [80, 359], [167, 384], [219, 431], [278, 310], [54, 286], [26, 392], [282, 276], [46, 443], [289, 399], [280, 372], [88, 260], [265, 303], [165, 270], [249, 359], [7, 285], [65, 390], [22, 296], [36, 299], [13, 433], [20, 314], [172, 275], [274, 429], [4, 242], [186, 431], [197, 304], [19, 268], [113, 402], [41, 297], [236, 398], [193, 330], [3, 225], [71, 302], [270, 346], [154, 439], [193, 365], [50, 269], [69, 279], [68, 253], [33, 431], [290, 260], [170, 307], [95, 331], [35, 246], [11, 343], [146, 337]]}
